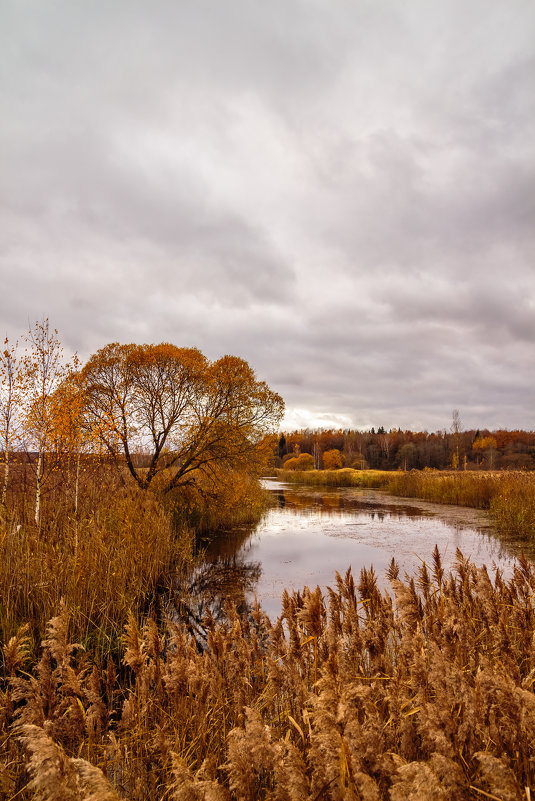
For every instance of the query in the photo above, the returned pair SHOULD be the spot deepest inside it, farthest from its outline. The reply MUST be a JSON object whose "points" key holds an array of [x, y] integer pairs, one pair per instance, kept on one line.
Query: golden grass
{"points": [[425, 693], [102, 562], [345, 477], [510, 496], [113, 556]]}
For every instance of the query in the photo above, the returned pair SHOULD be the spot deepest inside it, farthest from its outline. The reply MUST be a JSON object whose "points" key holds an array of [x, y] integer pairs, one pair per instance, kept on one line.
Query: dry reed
{"points": [[345, 477], [510, 496], [425, 693], [104, 560]]}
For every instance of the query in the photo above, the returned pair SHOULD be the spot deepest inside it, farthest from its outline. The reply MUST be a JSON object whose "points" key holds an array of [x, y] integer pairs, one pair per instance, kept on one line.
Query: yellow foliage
{"points": [[333, 459], [302, 462], [188, 416], [305, 462], [291, 464], [485, 443]]}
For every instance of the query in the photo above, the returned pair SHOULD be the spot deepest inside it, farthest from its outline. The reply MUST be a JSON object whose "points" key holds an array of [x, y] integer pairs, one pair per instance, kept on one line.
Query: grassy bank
{"points": [[346, 477], [109, 558], [354, 697], [509, 496]]}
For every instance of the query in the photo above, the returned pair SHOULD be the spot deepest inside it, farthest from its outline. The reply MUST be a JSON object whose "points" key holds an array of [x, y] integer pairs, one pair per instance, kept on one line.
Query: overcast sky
{"points": [[339, 191]]}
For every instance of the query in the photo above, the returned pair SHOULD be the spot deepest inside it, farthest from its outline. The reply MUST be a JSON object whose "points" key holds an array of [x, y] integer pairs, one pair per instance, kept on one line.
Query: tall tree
{"points": [[456, 427], [71, 439], [332, 459], [186, 413], [44, 369], [10, 397]]}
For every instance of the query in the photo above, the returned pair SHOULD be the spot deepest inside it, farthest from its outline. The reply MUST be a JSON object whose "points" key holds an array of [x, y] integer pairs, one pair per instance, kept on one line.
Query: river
{"points": [[309, 533]]}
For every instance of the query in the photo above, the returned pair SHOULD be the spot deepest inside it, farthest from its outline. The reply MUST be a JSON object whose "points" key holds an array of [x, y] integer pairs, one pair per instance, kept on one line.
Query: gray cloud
{"points": [[342, 193]]}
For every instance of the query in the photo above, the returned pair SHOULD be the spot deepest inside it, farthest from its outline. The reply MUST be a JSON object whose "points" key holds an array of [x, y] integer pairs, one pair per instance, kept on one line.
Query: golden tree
{"points": [[187, 415], [332, 459], [71, 439], [43, 369]]}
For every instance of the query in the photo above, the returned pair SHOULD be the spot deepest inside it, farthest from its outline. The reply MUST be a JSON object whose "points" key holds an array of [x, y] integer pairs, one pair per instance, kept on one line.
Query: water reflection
{"points": [[229, 578], [308, 534], [214, 582]]}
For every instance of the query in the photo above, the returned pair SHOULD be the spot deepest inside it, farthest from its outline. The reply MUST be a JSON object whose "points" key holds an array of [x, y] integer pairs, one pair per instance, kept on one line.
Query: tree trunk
{"points": [[6, 477], [77, 485], [39, 476]]}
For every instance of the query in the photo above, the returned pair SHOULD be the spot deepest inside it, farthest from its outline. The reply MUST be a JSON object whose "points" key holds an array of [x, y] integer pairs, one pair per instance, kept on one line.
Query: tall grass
{"points": [[110, 557], [102, 562], [510, 496], [425, 693], [513, 507], [461, 488], [346, 477]]}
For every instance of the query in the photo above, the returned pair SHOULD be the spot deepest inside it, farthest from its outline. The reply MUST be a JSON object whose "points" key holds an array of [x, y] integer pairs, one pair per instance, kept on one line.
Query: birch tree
{"points": [[10, 396], [44, 369], [72, 440]]}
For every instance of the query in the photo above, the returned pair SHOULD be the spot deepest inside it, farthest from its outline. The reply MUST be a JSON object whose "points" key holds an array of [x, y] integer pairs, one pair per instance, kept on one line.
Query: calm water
{"points": [[310, 533]]}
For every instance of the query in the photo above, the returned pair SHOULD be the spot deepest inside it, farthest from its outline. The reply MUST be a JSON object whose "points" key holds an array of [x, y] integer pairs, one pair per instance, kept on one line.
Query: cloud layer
{"points": [[342, 193]]}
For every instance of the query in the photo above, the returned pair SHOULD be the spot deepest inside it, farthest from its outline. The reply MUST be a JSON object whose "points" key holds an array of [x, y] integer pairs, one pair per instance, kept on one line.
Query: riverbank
{"points": [[345, 477], [509, 496]]}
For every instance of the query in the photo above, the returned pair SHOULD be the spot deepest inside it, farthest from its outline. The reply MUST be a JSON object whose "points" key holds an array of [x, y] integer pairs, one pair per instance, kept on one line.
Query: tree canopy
{"points": [[185, 413], [332, 459]]}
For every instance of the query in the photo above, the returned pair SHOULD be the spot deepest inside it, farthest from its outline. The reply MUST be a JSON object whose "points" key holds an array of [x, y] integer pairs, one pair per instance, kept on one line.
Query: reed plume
{"points": [[425, 691]]}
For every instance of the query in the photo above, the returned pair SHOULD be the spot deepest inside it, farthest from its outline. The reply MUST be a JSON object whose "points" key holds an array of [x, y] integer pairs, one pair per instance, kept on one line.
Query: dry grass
{"points": [[111, 557], [510, 496], [102, 562], [359, 695], [345, 477]]}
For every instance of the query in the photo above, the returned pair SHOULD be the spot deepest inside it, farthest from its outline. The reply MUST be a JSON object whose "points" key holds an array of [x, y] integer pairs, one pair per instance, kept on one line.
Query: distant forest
{"points": [[396, 449]]}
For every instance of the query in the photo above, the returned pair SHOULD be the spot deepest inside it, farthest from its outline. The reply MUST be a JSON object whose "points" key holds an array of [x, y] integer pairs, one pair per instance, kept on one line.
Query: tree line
{"points": [[407, 450], [163, 415]]}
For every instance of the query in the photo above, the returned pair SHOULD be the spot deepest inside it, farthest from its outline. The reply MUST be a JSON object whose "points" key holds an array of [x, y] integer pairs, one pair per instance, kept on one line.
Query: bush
{"points": [[235, 498]]}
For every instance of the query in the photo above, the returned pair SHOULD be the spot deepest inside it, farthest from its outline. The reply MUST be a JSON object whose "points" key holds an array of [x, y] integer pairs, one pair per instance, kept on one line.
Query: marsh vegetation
{"points": [[509, 496], [426, 691], [107, 691]]}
